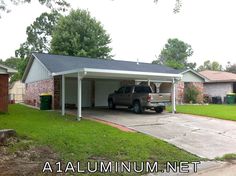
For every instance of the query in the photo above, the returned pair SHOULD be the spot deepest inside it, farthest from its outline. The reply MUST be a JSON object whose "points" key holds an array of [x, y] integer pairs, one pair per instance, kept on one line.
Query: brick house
{"points": [[219, 83], [4, 78], [85, 82]]}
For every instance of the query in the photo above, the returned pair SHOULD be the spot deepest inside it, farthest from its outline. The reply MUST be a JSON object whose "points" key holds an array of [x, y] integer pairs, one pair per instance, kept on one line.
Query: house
{"points": [[190, 77], [86, 82], [17, 91], [4, 78], [219, 83]]}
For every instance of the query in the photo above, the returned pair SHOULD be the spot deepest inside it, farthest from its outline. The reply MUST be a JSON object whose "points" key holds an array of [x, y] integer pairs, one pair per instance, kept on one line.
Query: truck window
{"points": [[128, 89], [142, 89], [121, 90]]}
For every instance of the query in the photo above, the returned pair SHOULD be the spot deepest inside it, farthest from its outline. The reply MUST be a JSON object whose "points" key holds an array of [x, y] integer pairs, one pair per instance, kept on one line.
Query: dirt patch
{"points": [[20, 157]]}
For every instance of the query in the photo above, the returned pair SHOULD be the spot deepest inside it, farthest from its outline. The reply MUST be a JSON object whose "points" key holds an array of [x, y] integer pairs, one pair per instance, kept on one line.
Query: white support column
{"points": [[149, 82], [173, 97], [79, 109], [63, 95]]}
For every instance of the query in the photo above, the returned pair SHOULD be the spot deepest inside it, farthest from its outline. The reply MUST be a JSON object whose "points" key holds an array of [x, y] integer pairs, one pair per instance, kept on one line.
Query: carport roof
{"points": [[60, 63]]}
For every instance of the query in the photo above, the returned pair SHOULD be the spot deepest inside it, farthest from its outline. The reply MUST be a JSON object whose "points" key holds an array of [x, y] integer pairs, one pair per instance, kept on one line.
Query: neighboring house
{"points": [[219, 83], [190, 77], [4, 78], [17, 91]]}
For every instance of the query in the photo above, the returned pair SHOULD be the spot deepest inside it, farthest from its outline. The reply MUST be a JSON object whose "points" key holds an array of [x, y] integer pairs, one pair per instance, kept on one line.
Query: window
{"points": [[142, 89], [128, 89], [121, 90]]}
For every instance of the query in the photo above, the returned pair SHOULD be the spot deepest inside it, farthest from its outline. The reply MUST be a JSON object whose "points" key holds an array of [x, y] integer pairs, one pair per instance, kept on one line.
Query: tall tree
{"points": [[59, 5], [208, 65], [175, 54], [231, 67], [39, 34], [79, 34]]}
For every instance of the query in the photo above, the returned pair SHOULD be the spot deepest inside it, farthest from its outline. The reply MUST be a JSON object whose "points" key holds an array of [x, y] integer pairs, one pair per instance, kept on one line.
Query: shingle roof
{"points": [[59, 63], [219, 76]]}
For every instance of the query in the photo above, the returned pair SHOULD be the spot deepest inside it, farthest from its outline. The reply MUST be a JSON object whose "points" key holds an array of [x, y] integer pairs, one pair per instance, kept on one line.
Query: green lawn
{"points": [[227, 112], [87, 139]]}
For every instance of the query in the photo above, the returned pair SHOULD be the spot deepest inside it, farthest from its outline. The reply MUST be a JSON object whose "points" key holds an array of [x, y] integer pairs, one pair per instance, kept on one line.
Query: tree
{"points": [[78, 34], [39, 34], [175, 55], [208, 65], [59, 5], [231, 68]]}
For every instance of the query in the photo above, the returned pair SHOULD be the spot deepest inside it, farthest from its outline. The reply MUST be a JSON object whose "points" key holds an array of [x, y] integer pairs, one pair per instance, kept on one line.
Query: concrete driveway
{"points": [[203, 136]]}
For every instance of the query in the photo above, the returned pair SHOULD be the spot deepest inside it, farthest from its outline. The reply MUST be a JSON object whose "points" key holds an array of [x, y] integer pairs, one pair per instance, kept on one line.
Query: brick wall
{"points": [[181, 88], [33, 90], [4, 92], [180, 92], [57, 92]]}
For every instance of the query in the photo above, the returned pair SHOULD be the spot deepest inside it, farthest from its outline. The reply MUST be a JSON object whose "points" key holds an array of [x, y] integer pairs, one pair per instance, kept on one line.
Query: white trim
{"points": [[119, 72], [173, 97]]}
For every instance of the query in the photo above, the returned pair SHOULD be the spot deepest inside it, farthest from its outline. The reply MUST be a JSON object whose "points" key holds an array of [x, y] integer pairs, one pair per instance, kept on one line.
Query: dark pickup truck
{"points": [[138, 98]]}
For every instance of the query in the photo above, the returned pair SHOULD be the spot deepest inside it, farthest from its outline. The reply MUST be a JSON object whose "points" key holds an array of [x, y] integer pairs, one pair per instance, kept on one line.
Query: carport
{"points": [[76, 82], [94, 73]]}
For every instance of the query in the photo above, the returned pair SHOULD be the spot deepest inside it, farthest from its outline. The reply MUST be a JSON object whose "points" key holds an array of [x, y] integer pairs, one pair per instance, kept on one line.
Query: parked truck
{"points": [[138, 98]]}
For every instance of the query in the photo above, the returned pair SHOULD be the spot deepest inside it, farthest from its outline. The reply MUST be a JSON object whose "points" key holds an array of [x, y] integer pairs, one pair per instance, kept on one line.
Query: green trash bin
{"points": [[45, 102], [230, 98]]}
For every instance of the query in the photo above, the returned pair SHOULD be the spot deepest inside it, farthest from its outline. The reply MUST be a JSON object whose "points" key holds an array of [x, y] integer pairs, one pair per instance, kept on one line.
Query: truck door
{"points": [[119, 95]]}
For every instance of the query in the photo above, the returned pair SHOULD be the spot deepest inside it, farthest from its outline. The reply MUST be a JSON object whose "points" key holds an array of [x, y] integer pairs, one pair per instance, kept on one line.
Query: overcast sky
{"points": [[140, 28]]}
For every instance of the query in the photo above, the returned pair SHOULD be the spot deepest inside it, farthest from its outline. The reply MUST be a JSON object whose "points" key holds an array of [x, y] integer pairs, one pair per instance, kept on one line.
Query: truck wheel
{"points": [[111, 105], [137, 107], [159, 109]]}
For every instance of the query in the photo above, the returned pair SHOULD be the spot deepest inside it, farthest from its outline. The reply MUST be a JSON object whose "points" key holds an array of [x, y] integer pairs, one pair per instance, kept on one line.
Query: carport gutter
{"points": [[84, 71]]}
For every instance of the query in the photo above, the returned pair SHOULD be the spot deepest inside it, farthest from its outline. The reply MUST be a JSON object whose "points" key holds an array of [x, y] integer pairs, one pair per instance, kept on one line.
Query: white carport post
{"points": [[173, 97], [79, 109], [63, 95]]}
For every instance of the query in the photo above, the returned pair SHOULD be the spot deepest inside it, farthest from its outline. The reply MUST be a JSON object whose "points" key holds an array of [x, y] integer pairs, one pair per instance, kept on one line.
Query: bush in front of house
{"points": [[191, 94]]}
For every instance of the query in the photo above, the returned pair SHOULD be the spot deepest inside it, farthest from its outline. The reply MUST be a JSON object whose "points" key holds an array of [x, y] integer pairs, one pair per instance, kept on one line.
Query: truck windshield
{"points": [[142, 89]]}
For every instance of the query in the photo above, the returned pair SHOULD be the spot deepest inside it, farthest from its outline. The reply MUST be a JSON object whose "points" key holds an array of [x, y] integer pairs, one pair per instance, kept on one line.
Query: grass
{"points": [[226, 112], [87, 140], [227, 157]]}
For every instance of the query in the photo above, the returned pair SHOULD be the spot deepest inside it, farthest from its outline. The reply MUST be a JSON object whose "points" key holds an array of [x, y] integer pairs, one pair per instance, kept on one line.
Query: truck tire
{"points": [[111, 105], [159, 109], [138, 109]]}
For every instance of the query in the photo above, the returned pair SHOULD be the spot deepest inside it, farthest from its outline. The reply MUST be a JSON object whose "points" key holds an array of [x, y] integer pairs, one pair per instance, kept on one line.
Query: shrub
{"points": [[191, 94]]}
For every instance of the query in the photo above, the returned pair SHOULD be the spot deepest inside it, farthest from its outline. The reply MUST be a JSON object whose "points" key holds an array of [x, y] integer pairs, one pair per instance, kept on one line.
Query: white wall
{"points": [[218, 89], [71, 92], [103, 88], [37, 73], [191, 77]]}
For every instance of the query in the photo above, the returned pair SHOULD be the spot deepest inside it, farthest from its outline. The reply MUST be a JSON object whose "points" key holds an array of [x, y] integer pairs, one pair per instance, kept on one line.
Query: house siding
{"points": [[37, 72], [218, 89], [191, 77], [4, 92]]}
